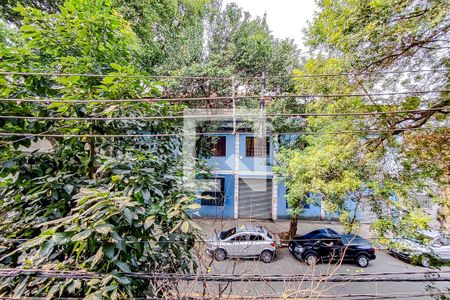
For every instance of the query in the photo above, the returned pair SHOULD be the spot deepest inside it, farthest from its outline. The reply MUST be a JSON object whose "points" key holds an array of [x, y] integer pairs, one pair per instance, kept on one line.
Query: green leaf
{"points": [[185, 226], [411, 103], [122, 280], [109, 251], [97, 257], [28, 28], [55, 105], [104, 228], [145, 194], [68, 188], [123, 266], [82, 235], [128, 215], [94, 296], [194, 206], [116, 66], [149, 222]]}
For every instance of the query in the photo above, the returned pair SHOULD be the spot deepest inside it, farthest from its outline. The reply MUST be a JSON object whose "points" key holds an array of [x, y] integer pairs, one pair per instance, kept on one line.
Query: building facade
{"points": [[243, 184]]}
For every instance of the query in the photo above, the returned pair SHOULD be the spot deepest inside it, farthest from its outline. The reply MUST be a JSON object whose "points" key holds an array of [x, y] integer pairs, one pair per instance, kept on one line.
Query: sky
{"points": [[286, 18]]}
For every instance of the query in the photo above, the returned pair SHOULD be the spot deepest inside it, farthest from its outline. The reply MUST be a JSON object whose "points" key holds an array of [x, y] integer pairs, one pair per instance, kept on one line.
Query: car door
{"points": [[237, 244], [328, 248], [318, 245], [257, 243]]}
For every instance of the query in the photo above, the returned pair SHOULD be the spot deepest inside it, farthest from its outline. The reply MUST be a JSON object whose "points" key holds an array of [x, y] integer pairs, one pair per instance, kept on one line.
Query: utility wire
{"points": [[172, 117], [14, 272], [54, 74], [200, 241], [302, 294], [69, 101], [143, 135]]}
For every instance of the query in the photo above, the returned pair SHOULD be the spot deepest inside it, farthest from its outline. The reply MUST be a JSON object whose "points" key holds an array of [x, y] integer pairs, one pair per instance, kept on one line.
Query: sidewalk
{"points": [[209, 226]]}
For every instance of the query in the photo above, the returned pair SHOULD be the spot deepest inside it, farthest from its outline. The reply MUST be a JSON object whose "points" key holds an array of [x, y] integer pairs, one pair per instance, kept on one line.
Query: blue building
{"points": [[243, 184]]}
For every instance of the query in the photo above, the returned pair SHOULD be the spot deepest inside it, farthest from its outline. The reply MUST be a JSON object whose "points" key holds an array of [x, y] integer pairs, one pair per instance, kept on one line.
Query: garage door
{"points": [[255, 198]]}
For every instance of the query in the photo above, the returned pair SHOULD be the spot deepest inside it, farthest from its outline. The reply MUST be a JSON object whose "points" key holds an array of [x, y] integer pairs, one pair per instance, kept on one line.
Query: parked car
{"points": [[328, 245], [246, 241], [428, 246]]}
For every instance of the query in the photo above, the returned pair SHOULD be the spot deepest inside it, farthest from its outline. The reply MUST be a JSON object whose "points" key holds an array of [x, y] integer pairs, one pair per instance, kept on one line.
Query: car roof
{"points": [[250, 228]]}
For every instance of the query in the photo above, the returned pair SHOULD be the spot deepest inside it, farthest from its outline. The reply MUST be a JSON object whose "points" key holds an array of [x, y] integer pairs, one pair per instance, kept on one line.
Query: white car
{"points": [[244, 241], [432, 244]]}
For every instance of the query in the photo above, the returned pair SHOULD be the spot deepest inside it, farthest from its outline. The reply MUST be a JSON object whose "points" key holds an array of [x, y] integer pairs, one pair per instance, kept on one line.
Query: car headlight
{"points": [[299, 249]]}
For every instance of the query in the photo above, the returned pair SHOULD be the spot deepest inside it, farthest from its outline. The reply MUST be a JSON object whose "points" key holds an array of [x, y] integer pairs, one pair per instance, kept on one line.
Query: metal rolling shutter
{"points": [[255, 198]]}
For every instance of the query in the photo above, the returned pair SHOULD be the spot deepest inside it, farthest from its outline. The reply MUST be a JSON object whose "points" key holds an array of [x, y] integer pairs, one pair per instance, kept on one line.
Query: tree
{"points": [[389, 35], [9, 14], [165, 29], [89, 203], [368, 40], [235, 45]]}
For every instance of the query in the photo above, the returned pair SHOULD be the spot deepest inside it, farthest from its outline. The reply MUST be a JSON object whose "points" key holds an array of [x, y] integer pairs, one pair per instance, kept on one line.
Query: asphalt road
{"points": [[286, 264]]}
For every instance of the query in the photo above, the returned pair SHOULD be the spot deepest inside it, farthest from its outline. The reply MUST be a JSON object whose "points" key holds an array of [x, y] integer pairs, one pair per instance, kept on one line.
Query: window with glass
{"points": [[256, 237], [213, 192], [240, 238], [257, 147], [212, 146]]}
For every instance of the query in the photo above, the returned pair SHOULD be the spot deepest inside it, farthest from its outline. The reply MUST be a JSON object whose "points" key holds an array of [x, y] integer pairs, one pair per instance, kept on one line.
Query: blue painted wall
{"points": [[310, 212], [226, 211], [313, 210]]}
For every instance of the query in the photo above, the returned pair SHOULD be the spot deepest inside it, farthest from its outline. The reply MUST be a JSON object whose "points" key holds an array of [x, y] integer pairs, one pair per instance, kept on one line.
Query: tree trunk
{"points": [[293, 227], [354, 213]]}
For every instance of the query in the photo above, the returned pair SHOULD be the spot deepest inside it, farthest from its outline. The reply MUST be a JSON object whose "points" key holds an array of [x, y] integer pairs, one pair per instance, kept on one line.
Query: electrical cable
{"points": [[77, 101], [121, 75], [212, 116], [14, 272], [143, 135]]}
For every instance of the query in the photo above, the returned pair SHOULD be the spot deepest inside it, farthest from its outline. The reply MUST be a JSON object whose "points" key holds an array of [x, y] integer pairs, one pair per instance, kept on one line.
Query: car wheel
{"points": [[266, 256], [220, 254], [362, 261], [311, 259], [425, 261]]}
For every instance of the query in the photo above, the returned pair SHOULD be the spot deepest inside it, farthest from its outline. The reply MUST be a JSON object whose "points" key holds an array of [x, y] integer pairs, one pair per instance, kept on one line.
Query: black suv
{"points": [[326, 244]]}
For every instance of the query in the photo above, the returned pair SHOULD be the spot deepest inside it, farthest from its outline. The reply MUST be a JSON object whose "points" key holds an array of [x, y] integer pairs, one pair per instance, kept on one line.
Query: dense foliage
{"points": [[110, 205], [373, 41]]}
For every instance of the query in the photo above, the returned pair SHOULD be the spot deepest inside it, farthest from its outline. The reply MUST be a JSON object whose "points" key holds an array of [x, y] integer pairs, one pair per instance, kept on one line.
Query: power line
{"points": [[70, 101], [143, 135], [203, 241], [55, 74], [303, 294], [172, 117], [66, 274]]}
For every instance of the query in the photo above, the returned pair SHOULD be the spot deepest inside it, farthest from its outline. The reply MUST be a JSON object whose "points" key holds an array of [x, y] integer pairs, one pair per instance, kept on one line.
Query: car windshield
{"points": [[227, 233], [331, 231], [311, 234]]}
